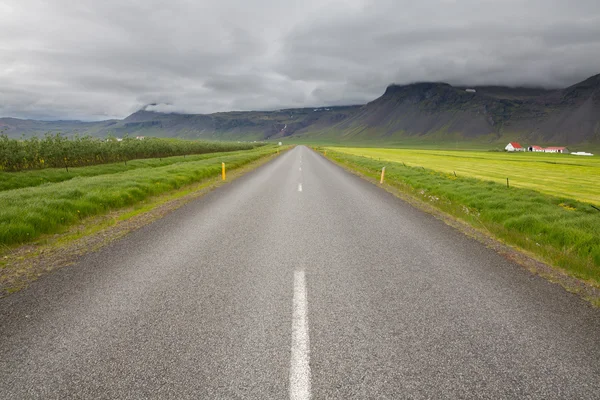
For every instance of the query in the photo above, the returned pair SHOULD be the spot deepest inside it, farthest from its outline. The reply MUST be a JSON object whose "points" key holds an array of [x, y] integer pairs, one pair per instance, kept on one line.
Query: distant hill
{"points": [[421, 111], [14, 127], [438, 111], [234, 125]]}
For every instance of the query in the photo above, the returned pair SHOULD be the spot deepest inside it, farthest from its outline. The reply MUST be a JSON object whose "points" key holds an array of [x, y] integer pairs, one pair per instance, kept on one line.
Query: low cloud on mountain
{"points": [[96, 60]]}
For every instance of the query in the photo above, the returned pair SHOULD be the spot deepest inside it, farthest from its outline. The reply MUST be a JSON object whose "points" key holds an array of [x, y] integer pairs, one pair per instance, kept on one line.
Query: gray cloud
{"points": [[97, 60]]}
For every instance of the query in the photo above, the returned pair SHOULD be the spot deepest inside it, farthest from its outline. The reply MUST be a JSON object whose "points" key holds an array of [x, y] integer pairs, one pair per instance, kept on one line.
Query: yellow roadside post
{"points": [[223, 170], [325, 153], [382, 175]]}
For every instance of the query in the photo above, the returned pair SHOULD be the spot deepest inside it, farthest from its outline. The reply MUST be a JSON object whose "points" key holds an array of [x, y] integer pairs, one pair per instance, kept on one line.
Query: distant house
{"points": [[471, 90], [556, 150], [140, 137], [536, 149], [514, 146]]}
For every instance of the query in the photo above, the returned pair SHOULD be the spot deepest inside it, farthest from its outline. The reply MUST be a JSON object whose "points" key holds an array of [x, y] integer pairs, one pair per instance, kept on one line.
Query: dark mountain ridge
{"points": [[439, 110], [433, 111]]}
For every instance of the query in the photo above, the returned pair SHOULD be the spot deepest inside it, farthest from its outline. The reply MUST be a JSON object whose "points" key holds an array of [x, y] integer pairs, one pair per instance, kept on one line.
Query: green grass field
{"points": [[58, 151], [442, 142], [556, 174], [558, 229], [29, 212], [23, 179]]}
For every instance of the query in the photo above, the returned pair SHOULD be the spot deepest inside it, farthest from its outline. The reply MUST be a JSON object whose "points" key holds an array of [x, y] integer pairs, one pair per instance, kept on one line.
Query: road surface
{"points": [[298, 280]]}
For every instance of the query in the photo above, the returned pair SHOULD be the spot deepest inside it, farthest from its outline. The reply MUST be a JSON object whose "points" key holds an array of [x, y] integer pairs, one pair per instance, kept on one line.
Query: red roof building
{"points": [[556, 150], [514, 146]]}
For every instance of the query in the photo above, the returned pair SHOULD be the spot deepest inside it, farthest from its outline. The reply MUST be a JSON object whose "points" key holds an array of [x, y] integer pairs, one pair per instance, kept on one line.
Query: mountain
{"points": [[424, 112], [439, 111], [14, 127], [255, 125], [234, 125]]}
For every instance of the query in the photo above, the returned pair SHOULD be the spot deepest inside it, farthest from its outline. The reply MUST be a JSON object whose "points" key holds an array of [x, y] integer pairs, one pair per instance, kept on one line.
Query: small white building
{"points": [[514, 146], [537, 149], [556, 150], [471, 90]]}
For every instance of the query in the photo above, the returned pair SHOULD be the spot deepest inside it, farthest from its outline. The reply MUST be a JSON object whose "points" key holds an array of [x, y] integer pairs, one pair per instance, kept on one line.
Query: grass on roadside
{"points": [[30, 212], [23, 179], [559, 230]]}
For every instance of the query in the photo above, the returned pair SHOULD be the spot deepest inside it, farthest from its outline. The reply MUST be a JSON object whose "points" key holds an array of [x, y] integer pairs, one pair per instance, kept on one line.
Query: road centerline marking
{"points": [[299, 366], [299, 187]]}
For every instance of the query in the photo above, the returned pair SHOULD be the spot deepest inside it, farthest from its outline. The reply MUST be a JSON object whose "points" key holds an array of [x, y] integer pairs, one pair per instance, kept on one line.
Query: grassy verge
{"points": [[23, 179], [21, 265], [559, 231], [30, 212]]}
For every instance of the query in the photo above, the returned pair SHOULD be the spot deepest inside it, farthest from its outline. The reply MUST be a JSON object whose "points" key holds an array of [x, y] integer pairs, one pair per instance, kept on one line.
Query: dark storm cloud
{"points": [[95, 60]]}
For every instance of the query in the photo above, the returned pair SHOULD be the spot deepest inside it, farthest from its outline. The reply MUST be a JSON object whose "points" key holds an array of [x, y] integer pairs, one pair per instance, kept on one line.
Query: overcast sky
{"points": [[99, 59]]}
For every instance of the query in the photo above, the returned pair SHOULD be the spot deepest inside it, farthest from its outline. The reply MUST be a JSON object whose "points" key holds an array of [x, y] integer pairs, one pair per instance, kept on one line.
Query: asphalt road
{"points": [[259, 290]]}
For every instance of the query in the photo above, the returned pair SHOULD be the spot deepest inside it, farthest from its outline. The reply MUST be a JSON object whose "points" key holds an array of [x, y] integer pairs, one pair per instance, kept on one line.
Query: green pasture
{"points": [[577, 177]]}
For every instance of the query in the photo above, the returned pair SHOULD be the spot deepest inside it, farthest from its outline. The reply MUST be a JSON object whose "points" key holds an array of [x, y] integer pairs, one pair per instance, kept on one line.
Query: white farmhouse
{"points": [[514, 146]]}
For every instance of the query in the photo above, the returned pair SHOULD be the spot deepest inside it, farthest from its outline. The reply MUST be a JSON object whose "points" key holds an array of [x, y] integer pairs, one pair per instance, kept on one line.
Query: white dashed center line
{"points": [[299, 187], [300, 368]]}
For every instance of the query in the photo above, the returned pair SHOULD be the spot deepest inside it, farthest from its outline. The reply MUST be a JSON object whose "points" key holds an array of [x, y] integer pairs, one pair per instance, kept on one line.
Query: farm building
{"points": [[556, 150], [514, 146], [535, 148]]}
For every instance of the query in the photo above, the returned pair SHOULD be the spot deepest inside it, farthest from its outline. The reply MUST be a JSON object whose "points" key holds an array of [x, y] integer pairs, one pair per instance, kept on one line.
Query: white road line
{"points": [[300, 169], [299, 187], [300, 368]]}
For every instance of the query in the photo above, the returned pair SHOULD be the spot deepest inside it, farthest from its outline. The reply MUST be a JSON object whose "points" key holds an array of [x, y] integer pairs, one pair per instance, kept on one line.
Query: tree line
{"points": [[59, 151]]}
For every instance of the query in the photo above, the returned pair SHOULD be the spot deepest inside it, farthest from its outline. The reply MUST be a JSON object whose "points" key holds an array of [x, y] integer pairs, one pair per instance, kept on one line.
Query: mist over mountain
{"points": [[426, 111]]}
